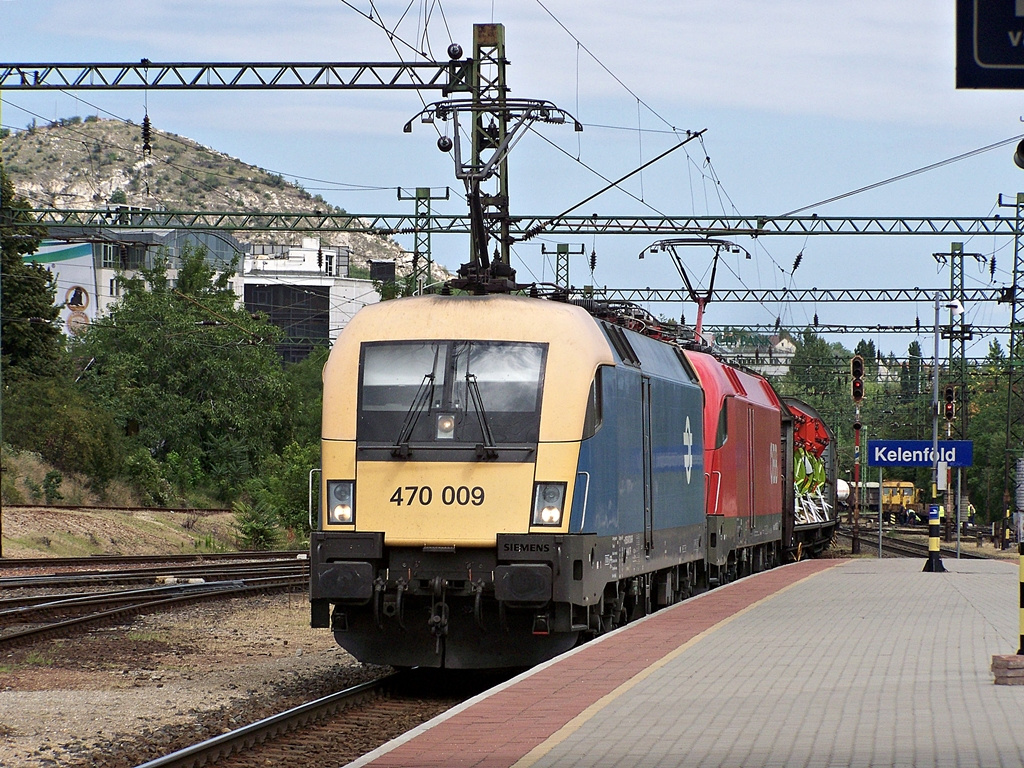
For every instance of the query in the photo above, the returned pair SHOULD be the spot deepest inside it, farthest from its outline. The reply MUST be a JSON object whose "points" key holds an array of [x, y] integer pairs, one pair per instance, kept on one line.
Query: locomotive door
{"points": [[645, 398], [751, 453]]}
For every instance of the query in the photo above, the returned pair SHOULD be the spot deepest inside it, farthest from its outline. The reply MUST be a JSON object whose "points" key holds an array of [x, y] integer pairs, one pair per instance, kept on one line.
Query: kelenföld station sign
{"points": [[919, 453]]}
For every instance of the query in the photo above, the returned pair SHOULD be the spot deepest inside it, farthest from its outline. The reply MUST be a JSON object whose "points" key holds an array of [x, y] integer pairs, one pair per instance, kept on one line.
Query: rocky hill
{"points": [[76, 163]]}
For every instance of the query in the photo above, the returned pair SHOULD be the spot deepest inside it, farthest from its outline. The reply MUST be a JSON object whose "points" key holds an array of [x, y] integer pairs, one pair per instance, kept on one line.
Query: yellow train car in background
{"points": [[902, 499]]}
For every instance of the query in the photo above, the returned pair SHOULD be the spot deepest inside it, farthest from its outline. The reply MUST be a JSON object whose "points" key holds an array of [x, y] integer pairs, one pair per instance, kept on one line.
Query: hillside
{"points": [[75, 163]]}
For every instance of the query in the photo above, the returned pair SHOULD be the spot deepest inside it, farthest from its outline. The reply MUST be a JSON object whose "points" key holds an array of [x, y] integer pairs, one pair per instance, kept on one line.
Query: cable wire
{"points": [[908, 174]]}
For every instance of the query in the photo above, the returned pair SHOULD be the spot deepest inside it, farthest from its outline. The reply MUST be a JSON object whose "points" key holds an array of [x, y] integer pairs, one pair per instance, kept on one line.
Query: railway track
{"points": [[90, 562], [46, 613], [332, 730], [893, 547], [164, 574], [219, 749]]}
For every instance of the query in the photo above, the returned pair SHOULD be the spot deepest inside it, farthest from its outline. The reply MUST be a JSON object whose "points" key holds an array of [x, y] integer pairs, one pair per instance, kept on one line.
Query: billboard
{"points": [[73, 269], [990, 44]]}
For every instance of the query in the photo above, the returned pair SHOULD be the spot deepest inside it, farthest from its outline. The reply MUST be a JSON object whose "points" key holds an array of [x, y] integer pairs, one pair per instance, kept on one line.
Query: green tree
{"points": [[987, 431], [33, 343], [913, 378], [42, 410], [188, 372], [818, 371], [283, 486], [398, 288], [51, 417], [305, 380]]}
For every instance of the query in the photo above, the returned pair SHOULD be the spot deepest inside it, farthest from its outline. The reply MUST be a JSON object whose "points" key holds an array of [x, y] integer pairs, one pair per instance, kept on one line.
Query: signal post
{"points": [[857, 392], [949, 413]]}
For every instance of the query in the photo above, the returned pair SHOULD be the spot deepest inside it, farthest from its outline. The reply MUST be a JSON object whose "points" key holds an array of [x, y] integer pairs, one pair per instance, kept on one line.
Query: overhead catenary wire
{"points": [[908, 174], [336, 186], [544, 225], [709, 173], [601, 64]]}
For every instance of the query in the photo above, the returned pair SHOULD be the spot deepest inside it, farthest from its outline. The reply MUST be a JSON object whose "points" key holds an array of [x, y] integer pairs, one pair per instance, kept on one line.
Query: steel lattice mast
{"points": [[1015, 360]]}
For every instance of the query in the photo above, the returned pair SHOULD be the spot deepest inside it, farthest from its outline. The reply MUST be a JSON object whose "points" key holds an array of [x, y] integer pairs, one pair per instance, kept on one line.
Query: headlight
{"points": [[445, 426], [548, 501], [341, 506]]}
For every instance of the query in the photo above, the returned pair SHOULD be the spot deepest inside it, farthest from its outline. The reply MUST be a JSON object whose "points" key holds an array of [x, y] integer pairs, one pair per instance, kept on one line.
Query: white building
{"points": [[304, 290], [86, 264], [767, 355]]}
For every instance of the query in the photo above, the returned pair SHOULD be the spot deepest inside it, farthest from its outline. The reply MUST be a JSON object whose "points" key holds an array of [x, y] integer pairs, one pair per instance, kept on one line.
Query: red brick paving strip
{"points": [[499, 730]]}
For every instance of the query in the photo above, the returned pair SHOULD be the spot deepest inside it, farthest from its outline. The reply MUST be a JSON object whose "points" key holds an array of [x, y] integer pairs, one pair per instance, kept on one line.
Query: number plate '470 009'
{"points": [[424, 495], [443, 504]]}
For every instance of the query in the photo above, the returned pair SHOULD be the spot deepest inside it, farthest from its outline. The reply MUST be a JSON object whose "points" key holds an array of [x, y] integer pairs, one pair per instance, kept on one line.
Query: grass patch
{"points": [[146, 636], [37, 659], [25, 472], [55, 545]]}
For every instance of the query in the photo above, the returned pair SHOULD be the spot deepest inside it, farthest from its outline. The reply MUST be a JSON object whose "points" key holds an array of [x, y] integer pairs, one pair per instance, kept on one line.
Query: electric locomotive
{"points": [[769, 472], [746, 474], [502, 476]]}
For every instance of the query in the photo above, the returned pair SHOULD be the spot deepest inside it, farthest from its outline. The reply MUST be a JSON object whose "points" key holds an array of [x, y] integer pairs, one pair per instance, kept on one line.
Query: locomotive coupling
{"points": [[438, 621]]}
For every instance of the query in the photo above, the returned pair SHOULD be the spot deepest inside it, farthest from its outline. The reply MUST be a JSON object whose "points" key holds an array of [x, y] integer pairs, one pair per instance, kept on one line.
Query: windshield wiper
{"points": [[422, 398], [487, 449]]}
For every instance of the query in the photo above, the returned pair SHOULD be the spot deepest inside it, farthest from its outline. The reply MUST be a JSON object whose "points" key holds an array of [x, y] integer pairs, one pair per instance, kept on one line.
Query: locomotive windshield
{"points": [[450, 393]]}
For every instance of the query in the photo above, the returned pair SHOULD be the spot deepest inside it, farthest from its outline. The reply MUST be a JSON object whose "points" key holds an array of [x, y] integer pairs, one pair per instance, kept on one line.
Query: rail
{"points": [[218, 591], [211, 750]]}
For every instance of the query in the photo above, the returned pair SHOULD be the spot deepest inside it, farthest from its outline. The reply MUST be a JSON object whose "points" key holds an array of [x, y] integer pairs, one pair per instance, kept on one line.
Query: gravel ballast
{"points": [[118, 696]]}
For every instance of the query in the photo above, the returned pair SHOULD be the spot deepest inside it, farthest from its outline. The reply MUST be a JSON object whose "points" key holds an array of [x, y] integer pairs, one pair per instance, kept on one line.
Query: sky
{"points": [[799, 102]]}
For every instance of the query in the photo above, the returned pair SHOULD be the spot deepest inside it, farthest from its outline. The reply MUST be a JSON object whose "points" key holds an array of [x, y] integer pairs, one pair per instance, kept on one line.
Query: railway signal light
{"points": [[949, 408], [857, 370]]}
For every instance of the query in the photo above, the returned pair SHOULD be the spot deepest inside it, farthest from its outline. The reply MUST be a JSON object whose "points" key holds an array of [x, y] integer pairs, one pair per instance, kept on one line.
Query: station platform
{"points": [[834, 662]]}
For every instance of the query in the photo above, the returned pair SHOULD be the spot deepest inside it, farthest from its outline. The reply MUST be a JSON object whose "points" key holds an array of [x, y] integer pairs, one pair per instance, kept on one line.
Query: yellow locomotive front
{"points": [[451, 435]]}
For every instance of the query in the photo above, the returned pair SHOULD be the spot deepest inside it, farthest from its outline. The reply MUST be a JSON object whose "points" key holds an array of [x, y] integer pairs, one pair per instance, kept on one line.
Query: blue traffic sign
{"points": [[990, 44], [919, 453]]}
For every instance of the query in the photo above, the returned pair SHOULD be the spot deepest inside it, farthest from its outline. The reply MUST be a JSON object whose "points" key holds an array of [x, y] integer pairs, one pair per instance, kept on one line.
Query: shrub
{"points": [[184, 472], [9, 493], [143, 472], [283, 486], [256, 526], [51, 486]]}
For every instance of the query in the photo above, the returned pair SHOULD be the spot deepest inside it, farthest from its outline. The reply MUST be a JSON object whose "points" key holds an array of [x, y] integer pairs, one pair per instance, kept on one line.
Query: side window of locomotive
{"points": [[594, 416], [723, 423]]}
